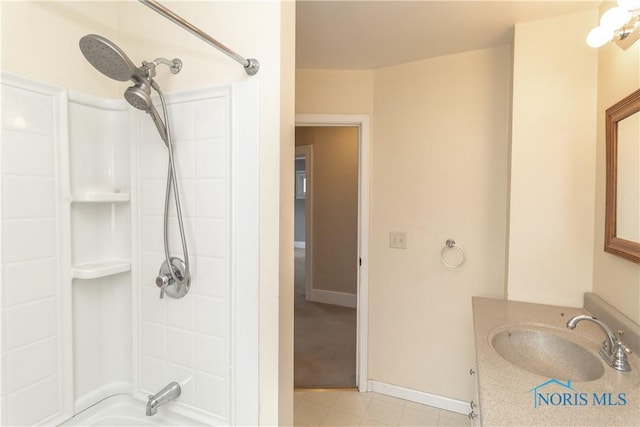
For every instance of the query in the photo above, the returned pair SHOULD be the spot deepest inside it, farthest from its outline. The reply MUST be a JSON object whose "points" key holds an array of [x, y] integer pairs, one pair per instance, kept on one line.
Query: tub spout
{"points": [[170, 392]]}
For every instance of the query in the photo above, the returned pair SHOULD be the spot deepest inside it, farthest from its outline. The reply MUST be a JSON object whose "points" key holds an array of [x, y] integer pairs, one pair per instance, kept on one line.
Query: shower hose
{"points": [[172, 182]]}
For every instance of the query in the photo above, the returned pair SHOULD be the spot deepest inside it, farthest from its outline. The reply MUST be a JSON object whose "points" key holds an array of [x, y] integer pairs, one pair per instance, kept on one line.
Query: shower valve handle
{"points": [[162, 281], [174, 282]]}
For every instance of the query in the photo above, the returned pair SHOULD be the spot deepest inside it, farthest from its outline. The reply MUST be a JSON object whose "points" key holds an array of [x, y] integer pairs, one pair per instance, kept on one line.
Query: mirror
{"points": [[622, 211]]}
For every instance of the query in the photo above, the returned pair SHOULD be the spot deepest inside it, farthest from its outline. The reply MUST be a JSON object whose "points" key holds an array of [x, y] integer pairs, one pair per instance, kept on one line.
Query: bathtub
{"points": [[124, 410]]}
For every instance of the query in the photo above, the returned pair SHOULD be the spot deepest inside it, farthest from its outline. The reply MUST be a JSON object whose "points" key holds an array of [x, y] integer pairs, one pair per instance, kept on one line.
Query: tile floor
{"points": [[351, 408]]}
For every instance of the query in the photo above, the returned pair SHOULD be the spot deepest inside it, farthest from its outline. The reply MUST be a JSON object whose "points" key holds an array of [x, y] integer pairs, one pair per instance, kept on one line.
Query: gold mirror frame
{"points": [[612, 243]]}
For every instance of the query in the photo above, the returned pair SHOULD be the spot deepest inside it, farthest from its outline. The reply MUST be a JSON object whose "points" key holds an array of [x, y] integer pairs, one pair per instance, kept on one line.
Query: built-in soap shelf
{"points": [[99, 269], [99, 188], [98, 197]]}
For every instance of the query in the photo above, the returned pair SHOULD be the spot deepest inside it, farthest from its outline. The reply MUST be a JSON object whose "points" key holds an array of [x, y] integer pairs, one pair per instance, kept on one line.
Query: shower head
{"points": [[111, 61], [139, 96], [108, 58]]}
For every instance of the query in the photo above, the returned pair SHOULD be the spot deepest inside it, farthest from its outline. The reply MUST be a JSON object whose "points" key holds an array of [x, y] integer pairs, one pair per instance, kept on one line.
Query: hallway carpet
{"points": [[324, 339]]}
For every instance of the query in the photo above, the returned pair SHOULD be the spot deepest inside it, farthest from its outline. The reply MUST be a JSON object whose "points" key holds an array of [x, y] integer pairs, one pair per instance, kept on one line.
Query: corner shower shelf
{"points": [[96, 270], [101, 197]]}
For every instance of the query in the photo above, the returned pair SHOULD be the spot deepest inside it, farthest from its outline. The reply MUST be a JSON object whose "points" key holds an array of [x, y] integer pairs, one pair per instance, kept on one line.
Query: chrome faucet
{"points": [[613, 351], [170, 392]]}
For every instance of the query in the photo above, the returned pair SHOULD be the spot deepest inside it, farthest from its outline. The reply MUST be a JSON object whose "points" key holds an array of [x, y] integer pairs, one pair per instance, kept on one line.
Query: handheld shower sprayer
{"points": [[139, 96], [174, 278]]}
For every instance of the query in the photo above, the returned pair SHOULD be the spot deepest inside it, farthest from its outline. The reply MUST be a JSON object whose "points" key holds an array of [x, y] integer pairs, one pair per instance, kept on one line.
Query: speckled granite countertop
{"points": [[506, 392]]}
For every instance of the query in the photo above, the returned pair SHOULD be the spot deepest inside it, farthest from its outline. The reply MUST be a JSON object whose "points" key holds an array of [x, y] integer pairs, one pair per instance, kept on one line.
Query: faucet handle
{"points": [[621, 345], [620, 361]]}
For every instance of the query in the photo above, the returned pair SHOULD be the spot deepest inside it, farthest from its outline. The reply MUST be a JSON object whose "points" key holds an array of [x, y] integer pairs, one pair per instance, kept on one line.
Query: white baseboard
{"points": [[335, 298], [419, 397], [300, 245]]}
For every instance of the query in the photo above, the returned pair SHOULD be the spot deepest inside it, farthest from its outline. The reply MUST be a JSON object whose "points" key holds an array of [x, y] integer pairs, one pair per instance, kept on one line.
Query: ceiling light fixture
{"points": [[620, 23]]}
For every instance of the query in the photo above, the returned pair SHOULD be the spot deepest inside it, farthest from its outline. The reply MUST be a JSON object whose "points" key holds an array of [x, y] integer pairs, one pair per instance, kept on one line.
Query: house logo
{"points": [[556, 393]]}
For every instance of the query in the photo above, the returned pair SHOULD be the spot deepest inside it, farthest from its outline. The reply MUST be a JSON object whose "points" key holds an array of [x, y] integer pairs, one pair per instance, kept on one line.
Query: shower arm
{"points": [[251, 66], [149, 68]]}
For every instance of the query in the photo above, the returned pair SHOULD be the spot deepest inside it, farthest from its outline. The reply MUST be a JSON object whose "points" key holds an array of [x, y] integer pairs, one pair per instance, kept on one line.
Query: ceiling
{"points": [[370, 34]]}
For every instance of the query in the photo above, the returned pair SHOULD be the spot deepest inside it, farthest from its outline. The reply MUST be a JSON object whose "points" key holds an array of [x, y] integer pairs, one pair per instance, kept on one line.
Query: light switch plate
{"points": [[398, 239]]}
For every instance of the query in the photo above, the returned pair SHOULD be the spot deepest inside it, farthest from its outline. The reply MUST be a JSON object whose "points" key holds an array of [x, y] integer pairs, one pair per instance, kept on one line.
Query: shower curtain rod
{"points": [[250, 65]]}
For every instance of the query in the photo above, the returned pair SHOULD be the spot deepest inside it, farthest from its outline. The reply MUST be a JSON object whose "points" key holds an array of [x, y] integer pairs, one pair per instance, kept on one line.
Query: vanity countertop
{"points": [[507, 392]]}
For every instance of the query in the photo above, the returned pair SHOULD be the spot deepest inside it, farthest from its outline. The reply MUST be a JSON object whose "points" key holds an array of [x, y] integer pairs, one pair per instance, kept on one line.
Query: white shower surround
{"points": [[175, 340], [124, 410]]}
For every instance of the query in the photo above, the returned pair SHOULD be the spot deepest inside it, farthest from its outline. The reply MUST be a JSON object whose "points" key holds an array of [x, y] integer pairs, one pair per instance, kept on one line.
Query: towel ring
{"points": [[451, 244]]}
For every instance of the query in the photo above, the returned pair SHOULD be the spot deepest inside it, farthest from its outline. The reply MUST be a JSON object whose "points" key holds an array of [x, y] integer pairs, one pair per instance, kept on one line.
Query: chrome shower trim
{"points": [[170, 392], [110, 60], [166, 283], [172, 180], [175, 65], [251, 66], [149, 68], [106, 57]]}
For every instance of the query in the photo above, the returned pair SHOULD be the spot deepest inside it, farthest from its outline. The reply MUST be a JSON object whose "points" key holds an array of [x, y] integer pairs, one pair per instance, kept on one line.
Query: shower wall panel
{"points": [[77, 231], [188, 340], [99, 153], [32, 321]]}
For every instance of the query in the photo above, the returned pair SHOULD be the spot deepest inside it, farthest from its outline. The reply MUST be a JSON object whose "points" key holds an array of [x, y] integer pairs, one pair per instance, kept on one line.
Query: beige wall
{"points": [[615, 279], [552, 190], [552, 161], [439, 172], [335, 206], [433, 184], [334, 92], [40, 41]]}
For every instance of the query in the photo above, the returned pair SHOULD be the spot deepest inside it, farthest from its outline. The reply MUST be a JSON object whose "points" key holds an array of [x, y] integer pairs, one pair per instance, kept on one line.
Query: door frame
{"points": [[307, 152], [360, 121]]}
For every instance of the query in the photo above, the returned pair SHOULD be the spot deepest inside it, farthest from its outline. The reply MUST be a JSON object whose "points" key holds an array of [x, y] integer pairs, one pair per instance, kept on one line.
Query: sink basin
{"points": [[547, 353]]}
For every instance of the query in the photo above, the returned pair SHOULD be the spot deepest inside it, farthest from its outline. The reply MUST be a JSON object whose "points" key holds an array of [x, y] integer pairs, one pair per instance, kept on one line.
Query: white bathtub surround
{"points": [[82, 194], [189, 339], [98, 239], [34, 367], [124, 410]]}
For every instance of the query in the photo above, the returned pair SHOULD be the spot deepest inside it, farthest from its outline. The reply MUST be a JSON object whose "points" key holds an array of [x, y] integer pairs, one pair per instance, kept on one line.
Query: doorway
{"points": [[331, 251]]}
